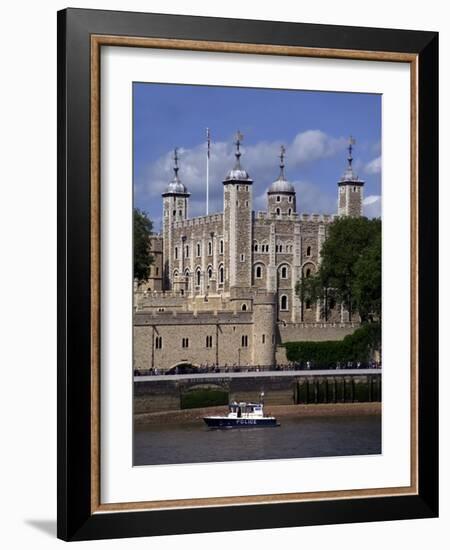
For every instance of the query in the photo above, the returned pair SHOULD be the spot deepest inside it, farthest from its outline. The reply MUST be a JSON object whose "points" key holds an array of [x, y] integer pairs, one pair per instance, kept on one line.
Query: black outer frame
{"points": [[75, 521]]}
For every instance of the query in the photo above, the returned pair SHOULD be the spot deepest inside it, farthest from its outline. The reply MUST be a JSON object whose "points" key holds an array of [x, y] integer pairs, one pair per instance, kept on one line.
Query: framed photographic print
{"points": [[247, 274]]}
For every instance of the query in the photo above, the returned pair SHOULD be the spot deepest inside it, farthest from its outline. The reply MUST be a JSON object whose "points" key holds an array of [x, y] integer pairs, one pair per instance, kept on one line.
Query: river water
{"points": [[295, 438]]}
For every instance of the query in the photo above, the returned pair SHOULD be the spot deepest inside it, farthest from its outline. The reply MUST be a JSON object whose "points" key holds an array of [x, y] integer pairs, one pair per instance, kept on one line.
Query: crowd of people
{"points": [[226, 369]]}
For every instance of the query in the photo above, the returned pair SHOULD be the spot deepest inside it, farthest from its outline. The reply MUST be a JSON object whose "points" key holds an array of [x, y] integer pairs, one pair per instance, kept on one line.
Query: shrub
{"points": [[358, 346], [204, 398]]}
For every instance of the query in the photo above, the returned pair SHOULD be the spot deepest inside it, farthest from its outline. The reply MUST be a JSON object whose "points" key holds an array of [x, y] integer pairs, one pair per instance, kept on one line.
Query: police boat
{"points": [[243, 415]]}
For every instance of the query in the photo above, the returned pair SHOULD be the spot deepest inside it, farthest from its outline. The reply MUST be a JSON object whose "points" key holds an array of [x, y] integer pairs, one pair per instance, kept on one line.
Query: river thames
{"points": [[297, 437]]}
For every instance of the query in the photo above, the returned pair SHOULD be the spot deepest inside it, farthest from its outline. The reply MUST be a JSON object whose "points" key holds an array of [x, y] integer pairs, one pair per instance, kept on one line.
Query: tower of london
{"points": [[222, 287]]}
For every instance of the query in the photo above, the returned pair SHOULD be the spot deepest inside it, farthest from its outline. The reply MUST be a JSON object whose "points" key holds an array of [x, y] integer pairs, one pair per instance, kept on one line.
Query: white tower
{"points": [[175, 208], [350, 194]]}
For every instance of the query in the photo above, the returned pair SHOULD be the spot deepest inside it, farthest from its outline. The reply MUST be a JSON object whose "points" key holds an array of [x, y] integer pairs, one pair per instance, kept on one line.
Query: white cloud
{"points": [[374, 166], [372, 206]]}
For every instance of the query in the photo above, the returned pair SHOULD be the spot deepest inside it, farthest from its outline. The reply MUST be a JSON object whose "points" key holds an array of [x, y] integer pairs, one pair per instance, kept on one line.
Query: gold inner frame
{"points": [[97, 41]]}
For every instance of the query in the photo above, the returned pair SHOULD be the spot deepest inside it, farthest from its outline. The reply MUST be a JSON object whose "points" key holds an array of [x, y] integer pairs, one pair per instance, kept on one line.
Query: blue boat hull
{"points": [[241, 422]]}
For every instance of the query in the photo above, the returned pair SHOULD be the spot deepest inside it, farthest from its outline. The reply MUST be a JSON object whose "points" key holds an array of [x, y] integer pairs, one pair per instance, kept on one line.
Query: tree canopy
{"points": [[350, 268], [142, 229]]}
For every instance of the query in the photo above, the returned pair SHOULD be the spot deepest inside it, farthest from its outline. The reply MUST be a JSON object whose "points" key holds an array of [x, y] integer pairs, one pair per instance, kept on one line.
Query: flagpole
{"points": [[207, 170]]}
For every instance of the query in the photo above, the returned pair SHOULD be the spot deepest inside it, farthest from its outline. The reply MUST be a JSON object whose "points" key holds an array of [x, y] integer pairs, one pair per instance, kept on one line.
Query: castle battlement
{"points": [[213, 317], [304, 217], [199, 220]]}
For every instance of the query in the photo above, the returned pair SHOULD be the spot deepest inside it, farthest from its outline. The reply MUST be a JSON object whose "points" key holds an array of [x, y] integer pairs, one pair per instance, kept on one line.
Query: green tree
{"points": [[367, 284], [142, 229], [350, 267]]}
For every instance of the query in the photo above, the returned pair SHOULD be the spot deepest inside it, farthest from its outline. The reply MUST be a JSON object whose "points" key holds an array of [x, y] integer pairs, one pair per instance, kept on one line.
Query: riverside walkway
{"points": [[256, 374]]}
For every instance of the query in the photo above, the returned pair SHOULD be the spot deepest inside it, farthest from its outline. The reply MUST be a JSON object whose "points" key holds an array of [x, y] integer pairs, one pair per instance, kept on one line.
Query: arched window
{"points": [[290, 211], [221, 247], [199, 249], [308, 273], [244, 307], [198, 277], [278, 198], [308, 251], [209, 248], [175, 273], [209, 272], [284, 303], [278, 211], [221, 274], [290, 198], [258, 272], [281, 248], [284, 272], [255, 246]]}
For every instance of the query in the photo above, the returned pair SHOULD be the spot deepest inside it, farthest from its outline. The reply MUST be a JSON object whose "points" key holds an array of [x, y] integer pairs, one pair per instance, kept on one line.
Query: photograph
{"points": [[257, 276]]}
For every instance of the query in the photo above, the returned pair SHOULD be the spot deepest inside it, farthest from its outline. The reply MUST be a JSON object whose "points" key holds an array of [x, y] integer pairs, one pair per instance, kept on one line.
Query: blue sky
{"points": [[313, 126]]}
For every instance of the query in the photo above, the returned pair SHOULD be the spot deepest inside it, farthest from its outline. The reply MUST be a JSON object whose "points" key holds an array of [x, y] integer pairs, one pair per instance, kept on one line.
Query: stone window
{"points": [[263, 339], [278, 198], [290, 211], [186, 251], [221, 247], [209, 272], [255, 246], [174, 212], [244, 341], [244, 307], [176, 253], [175, 273], [198, 277], [308, 251], [209, 341], [308, 273], [284, 272], [290, 199], [209, 248], [221, 275], [242, 257], [160, 309], [258, 272], [158, 342], [199, 250], [278, 211], [185, 342], [284, 303]]}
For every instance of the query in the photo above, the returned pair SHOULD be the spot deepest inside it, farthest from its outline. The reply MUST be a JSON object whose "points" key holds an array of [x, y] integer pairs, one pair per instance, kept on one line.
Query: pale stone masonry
{"points": [[222, 287]]}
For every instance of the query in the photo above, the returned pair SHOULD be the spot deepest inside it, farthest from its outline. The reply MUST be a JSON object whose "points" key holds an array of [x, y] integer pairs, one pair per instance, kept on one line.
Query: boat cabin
{"points": [[239, 410]]}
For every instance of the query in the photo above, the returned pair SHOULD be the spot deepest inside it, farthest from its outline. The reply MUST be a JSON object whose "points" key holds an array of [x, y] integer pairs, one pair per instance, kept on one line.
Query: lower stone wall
{"points": [[168, 395], [299, 332]]}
